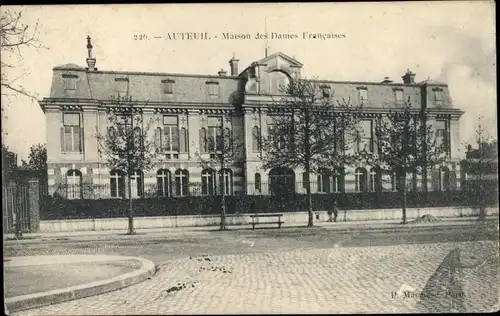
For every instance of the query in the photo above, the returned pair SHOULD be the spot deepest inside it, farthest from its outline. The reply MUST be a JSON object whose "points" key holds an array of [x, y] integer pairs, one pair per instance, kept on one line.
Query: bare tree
{"points": [[15, 36], [406, 144], [220, 151], [482, 163], [128, 145], [309, 130]]}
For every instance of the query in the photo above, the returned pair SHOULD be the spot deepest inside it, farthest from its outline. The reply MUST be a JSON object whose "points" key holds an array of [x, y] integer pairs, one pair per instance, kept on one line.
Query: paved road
{"points": [[164, 248], [334, 280], [291, 270]]}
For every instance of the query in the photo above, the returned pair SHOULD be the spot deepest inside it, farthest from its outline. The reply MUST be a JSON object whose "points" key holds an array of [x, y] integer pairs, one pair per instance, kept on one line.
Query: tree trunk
{"points": [[131, 230], [404, 200], [222, 203], [309, 199]]}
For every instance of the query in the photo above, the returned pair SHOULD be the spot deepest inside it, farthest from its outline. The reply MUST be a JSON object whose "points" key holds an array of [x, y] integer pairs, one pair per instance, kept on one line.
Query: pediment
{"points": [[280, 59]]}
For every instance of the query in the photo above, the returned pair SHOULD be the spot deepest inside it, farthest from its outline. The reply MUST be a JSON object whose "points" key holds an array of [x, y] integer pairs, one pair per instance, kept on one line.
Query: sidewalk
{"points": [[207, 230]]}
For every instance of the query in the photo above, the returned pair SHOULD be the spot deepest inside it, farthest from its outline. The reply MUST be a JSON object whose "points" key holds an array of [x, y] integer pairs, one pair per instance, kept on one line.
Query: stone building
{"points": [[186, 107]]}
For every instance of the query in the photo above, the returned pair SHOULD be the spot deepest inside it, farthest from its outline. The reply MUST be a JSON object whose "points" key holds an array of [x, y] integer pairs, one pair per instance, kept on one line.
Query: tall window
{"points": [[365, 136], [276, 134], [74, 184], [215, 141], [168, 86], [137, 183], [258, 183], [208, 184], [442, 136], [323, 181], [362, 95], [72, 133], [338, 180], [444, 179], [226, 180], [117, 183], [181, 182], [163, 179], [398, 94], [183, 140], [360, 179], [375, 177], [171, 136], [256, 139]]}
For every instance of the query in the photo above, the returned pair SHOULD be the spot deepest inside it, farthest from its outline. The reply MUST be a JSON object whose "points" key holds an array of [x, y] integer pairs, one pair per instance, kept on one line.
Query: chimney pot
{"points": [[233, 63], [222, 72], [387, 80], [409, 77]]}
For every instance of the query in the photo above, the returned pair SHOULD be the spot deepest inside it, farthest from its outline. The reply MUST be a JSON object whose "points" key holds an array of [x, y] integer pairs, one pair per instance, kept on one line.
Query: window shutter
{"points": [[82, 139], [63, 148]]}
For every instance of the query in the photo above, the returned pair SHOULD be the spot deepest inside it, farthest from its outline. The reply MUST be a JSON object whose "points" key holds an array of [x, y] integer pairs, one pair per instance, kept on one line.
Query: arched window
{"points": [[203, 140], [256, 139], [324, 181], [137, 183], [163, 180], [278, 82], [183, 141], [360, 179], [208, 184], [74, 184], [226, 180], [282, 181], [181, 182], [258, 183], [117, 183], [444, 179]]}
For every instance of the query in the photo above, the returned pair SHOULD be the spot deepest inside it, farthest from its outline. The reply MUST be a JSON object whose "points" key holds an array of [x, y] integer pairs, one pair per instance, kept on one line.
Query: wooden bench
{"points": [[254, 216]]}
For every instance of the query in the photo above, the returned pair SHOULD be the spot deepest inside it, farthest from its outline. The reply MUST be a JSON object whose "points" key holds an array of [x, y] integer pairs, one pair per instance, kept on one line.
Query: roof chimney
{"points": [[90, 60], [233, 63], [222, 72], [409, 77], [386, 80]]}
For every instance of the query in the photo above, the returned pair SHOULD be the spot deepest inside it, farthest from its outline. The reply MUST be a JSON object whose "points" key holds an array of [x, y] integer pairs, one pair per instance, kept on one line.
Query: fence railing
{"points": [[153, 190]]}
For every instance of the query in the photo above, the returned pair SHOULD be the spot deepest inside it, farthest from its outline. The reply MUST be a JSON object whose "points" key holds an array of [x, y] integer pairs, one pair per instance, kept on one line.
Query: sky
{"points": [[452, 42]]}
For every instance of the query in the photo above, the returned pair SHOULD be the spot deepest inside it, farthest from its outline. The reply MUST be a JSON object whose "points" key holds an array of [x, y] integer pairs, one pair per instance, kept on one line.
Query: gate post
{"points": [[34, 204]]}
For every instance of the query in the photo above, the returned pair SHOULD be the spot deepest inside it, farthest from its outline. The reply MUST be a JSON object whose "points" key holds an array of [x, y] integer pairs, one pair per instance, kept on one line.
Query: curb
{"points": [[40, 299], [419, 227]]}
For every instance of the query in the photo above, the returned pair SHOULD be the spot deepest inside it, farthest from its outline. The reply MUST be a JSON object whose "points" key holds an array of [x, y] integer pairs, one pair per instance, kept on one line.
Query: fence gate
{"points": [[15, 207]]}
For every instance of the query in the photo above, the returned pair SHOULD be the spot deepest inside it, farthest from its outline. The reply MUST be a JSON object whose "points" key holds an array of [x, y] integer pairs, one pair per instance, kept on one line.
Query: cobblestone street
{"points": [[335, 280]]}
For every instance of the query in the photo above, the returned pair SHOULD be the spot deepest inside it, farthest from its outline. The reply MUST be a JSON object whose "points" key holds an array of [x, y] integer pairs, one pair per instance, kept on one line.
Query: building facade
{"points": [[185, 108]]}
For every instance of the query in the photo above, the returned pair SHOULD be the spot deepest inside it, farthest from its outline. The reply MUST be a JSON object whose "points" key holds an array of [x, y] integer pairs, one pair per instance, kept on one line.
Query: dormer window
{"points": [[168, 86], [399, 95], [326, 90], [70, 82], [362, 94], [213, 88], [438, 94], [121, 86]]}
